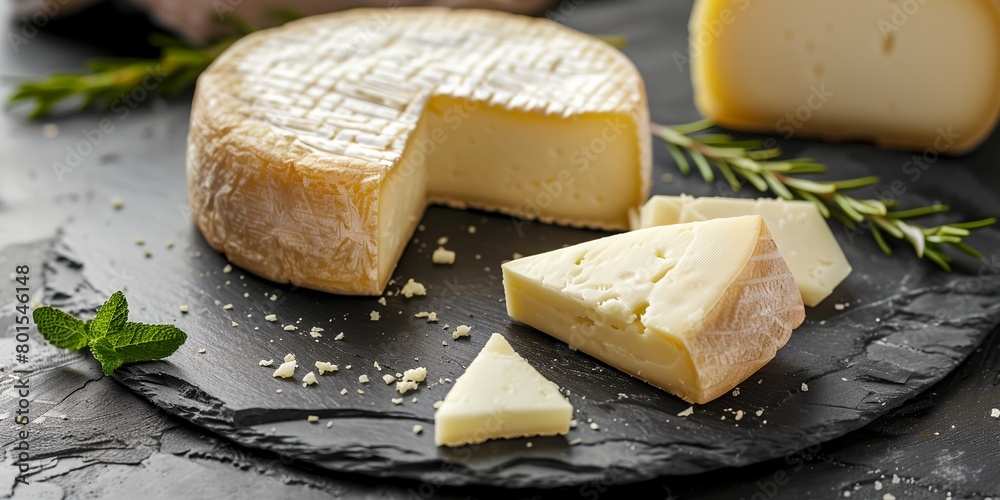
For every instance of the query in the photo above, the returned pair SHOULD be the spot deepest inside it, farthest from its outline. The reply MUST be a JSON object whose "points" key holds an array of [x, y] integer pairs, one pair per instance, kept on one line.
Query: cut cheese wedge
{"points": [[691, 308], [910, 74], [500, 396], [315, 147], [800, 231]]}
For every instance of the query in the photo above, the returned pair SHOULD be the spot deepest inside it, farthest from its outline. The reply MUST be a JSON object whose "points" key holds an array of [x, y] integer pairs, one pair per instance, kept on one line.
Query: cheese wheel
{"points": [[315, 147]]}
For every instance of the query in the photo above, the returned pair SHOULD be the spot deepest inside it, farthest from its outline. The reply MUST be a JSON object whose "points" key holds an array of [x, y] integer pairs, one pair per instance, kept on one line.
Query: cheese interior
{"points": [[691, 308], [500, 396], [904, 74], [802, 235]]}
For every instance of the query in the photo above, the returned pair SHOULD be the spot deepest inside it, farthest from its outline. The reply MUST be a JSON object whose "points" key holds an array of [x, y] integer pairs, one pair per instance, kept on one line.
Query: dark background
{"points": [[937, 445]]}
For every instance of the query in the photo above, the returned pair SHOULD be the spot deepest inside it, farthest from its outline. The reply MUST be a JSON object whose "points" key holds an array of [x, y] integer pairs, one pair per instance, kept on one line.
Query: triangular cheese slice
{"points": [[693, 308], [500, 396]]}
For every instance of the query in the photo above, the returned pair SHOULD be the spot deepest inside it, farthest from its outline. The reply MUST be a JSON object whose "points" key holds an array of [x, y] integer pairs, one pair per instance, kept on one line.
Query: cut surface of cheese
{"points": [[691, 308], [315, 147], [800, 231], [500, 396], [912, 74]]}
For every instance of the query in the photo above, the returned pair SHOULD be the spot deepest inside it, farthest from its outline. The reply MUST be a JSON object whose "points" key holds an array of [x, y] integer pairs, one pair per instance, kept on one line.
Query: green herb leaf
{"points": [[60, 329], [112, 339], [105, 353], [138, 342], [110, 317], [762, 168]]}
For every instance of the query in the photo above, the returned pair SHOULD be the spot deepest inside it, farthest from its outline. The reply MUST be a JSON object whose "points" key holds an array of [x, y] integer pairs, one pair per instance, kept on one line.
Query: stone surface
{"points": [[922, 331]]}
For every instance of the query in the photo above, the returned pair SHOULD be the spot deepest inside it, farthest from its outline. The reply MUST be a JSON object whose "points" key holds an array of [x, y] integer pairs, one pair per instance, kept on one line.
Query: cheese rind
{"points": [[800, 231], [315, 147], [500, 396], [691, 308], [911, 75]]}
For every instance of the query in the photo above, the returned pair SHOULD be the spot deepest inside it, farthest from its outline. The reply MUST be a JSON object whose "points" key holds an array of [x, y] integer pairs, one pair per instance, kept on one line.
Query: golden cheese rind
{"points": [[315, 147]]}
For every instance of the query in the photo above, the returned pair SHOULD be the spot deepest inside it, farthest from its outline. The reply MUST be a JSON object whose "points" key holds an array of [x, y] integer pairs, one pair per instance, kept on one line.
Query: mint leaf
{"points": [[138, 342], [110, 317], [112, 339], [105, 353], [60, 329]]}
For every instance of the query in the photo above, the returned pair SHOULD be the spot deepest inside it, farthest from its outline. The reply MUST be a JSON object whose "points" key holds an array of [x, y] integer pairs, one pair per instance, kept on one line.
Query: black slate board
{"points": [[907, 325]]}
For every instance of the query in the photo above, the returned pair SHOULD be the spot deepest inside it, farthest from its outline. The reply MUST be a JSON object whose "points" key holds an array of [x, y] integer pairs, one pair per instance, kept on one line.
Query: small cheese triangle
{"points": [[500, 396], [693, 308]]}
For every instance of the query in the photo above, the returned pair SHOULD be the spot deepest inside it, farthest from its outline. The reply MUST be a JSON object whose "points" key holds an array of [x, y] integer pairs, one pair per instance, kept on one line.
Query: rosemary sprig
{"points": [[746, 161], [110, 81]]}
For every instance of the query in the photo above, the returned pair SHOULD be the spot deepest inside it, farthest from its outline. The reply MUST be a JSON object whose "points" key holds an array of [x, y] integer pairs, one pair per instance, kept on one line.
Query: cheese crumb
{"points": [[472, 229], [374, 315], [271, 317], [739, 414], [314, 334], [309, 379], [888, 496], [417, 429], [117, 203], [360, 391], [437, 404], [878, 485], [64, 416], [363, 379], [805, 387], [290, 328], [995, 413], [443, 240], [418, 374], [201, 351], [235, 324], [575, 442], [443, 256], [313, 419], [286, 370], [343, 392], [184, 309], [397, 401], [759, 412], [329, 424], [277, 391], [461, 331], [289, 357], [273, 298], [405, 386], [686, 413], [340, 336], [227, 307], [377, 366], [228, 269], [266, 362], [324, 367], [388, 379], [517, 256], [412, 288], [432, 317], [381, 300], [594, 426]]}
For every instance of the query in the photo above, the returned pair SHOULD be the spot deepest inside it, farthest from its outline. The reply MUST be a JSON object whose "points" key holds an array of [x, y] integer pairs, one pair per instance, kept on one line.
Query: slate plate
{"points": [[907, 324]]}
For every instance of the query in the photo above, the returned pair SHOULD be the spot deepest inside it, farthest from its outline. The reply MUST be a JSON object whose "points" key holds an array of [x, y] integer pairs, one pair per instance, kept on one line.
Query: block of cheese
{"points": [[800, 231], [500, 396], [911, 74], [315, 147], [693, 309]]}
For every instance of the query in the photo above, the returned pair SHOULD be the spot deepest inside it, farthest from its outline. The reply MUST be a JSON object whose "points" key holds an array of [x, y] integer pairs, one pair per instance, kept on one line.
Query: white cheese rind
{"points": [[800, 231], [920, 75], [691, 308], [500, 396], [311, 159]]}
